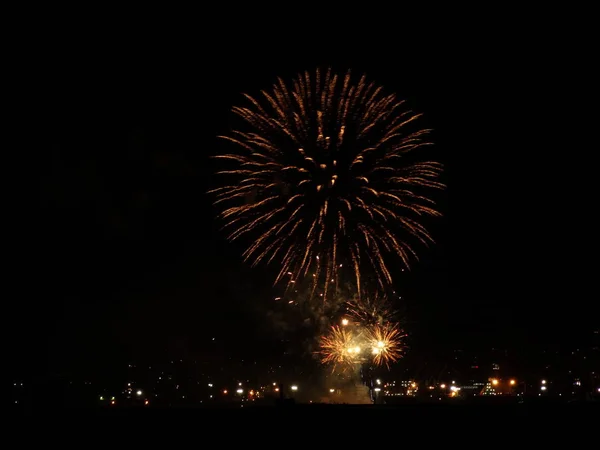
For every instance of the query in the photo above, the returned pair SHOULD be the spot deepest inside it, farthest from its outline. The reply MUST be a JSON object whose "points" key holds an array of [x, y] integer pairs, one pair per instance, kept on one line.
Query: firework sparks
{"points": [[338, 347], [386, 343], [357, 343], [371, 310], [323, 176]]}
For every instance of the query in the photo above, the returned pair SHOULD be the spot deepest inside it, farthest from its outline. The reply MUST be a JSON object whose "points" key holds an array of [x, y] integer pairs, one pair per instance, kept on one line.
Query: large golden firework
{"points": [[323, 174]]}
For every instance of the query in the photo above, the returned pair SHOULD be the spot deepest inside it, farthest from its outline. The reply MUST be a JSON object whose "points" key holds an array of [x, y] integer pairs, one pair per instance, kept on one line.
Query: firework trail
{"points": [[323, 178]]}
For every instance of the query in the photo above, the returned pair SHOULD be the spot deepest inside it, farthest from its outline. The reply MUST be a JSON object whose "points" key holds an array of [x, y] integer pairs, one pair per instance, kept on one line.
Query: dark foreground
{"points": [[514, 409]]}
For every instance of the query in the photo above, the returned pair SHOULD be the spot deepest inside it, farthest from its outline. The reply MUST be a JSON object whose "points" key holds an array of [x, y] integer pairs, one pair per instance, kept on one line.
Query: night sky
{"points": [[126, 260]]}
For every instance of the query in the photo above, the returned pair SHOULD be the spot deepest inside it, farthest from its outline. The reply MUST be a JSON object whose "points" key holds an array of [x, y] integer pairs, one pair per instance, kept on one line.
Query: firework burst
{"points": [[366, 335], [386, 343], [371, 310], [337, 347], [323, 177]]}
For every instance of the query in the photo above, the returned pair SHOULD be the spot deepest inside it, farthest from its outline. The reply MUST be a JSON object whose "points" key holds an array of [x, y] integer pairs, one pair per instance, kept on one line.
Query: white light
{"points": [[294, 388], [209, 384], [240, 391], [377, 389], [378, 381], [543, 381], [139, 393], [543, 388], [333, 390]]}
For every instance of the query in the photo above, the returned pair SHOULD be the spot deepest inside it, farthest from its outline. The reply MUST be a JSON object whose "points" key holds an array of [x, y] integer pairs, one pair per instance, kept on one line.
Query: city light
{"points": [[512, 382], [344, 322], [332, 390], [543, 381], [495, 382], [543, 388], [294, 388], [139, 393], [240, 391]]}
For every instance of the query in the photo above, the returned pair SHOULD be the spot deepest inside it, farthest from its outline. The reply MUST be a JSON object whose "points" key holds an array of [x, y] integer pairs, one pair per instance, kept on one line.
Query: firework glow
{"points": [[386, 344], [361, 339], [345, 346], [324, 177]]}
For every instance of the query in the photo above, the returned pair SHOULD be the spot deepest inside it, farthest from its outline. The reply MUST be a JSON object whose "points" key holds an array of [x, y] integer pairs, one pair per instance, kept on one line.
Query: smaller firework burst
{"points": [[374, 310], [356, 343], [386, 343], [338, 348]]}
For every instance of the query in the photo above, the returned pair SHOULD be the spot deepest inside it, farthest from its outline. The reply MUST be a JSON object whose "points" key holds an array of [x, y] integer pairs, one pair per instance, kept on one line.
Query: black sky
{"points": [[127, 261]]}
